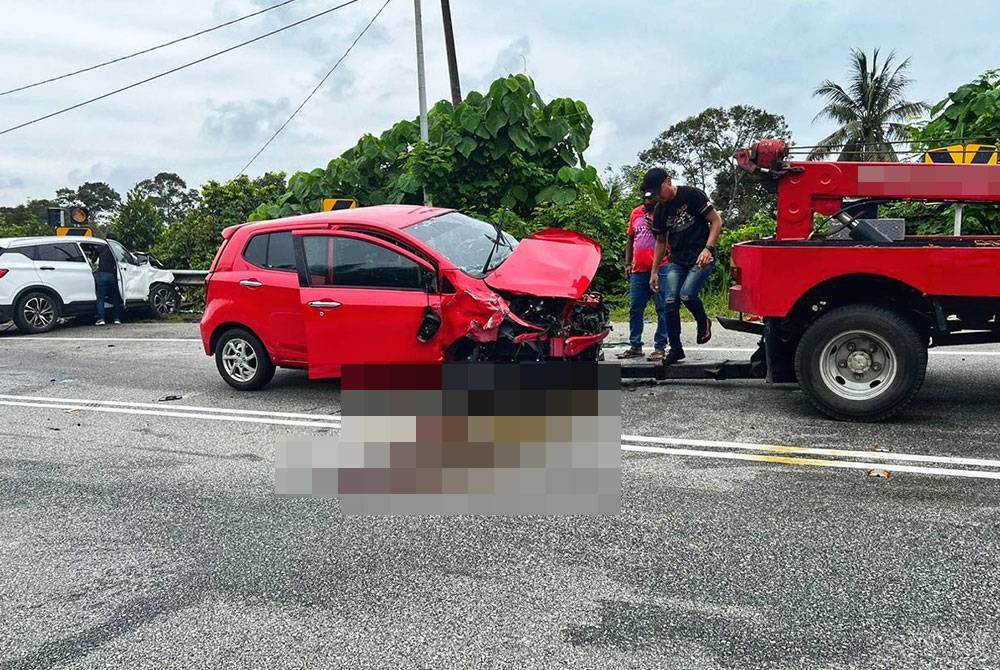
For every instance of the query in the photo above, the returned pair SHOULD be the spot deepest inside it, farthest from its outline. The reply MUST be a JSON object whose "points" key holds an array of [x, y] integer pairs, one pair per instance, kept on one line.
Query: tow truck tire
{"points": [[242, 360], [861, 363]]}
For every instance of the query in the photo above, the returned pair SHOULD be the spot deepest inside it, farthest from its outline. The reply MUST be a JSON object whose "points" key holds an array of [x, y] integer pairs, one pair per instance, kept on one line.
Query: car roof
{"points": [[389, 216], [46, 239]]}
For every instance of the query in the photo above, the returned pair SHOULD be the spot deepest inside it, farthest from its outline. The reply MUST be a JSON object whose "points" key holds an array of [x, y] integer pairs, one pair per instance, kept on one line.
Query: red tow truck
{"points": [[850, 320]]}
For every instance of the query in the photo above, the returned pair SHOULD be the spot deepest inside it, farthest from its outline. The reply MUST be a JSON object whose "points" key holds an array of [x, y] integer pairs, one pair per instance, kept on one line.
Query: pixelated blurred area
{"points": [[467, 438]]}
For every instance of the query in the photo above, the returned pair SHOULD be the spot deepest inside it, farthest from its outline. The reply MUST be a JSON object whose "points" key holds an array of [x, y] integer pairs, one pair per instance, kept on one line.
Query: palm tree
{"points": [[871, 111]]}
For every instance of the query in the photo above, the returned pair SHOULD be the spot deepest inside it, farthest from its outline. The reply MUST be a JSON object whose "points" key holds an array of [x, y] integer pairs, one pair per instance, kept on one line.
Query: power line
{"points": [[313, 92], [176, 69], [146, 51]]}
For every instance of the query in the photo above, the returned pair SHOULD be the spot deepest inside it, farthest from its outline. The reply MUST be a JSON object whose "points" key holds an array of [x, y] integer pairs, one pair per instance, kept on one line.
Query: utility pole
{"points": [[449, 42], [421, 83]]}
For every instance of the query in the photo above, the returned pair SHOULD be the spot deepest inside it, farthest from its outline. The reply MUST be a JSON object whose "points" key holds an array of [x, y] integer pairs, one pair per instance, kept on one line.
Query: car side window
{"points": [[121, 253], [29, 251], [272, 251], [280, 251], [59, 252], [347, 262], [256, 251]]}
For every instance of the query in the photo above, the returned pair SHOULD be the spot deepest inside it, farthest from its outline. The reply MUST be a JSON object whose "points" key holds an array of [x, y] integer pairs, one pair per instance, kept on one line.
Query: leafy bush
{"points": [[508, 148]]}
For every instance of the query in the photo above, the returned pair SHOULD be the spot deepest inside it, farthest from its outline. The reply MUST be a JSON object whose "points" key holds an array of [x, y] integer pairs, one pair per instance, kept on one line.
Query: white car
{"points": [[44, 279]]}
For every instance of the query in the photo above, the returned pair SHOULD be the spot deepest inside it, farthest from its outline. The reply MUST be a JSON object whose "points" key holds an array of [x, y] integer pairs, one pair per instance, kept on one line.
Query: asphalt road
{"points": [[139, 532]]}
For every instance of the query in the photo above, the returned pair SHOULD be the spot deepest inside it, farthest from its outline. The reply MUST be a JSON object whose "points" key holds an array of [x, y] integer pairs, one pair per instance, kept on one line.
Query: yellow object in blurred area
{"points": [[330, 204]]}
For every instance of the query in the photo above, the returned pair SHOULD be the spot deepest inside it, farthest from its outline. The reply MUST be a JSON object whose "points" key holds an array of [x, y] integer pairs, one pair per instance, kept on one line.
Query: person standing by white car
{"points": [[106, 279]]}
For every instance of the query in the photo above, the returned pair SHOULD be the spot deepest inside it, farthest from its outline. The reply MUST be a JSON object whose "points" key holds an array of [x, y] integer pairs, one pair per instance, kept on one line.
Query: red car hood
{"points": [[553, 263]]}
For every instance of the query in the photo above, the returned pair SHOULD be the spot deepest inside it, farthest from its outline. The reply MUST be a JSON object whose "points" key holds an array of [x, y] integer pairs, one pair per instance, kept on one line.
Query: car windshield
{"points": [[465, 241]]}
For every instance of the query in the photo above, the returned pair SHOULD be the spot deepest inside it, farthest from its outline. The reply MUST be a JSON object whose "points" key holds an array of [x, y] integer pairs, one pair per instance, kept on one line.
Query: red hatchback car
{"points": [[396, 284]]}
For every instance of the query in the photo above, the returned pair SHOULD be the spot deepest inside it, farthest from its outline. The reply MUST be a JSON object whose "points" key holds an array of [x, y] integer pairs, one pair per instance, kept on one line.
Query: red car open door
{"points": [[363, 301]]}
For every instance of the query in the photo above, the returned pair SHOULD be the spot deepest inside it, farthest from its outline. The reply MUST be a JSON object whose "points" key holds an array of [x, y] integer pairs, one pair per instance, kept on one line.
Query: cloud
{"points": [[639, 68], [244, 122], [10, 183]]}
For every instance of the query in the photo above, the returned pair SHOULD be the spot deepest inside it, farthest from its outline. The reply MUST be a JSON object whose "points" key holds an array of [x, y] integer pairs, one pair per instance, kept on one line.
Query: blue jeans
{"points": [[683, 285], [638, 299], [107, 287]]}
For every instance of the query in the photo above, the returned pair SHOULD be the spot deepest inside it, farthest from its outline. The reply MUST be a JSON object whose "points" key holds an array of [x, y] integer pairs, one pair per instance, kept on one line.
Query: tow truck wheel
{"points": [[861, 363]]}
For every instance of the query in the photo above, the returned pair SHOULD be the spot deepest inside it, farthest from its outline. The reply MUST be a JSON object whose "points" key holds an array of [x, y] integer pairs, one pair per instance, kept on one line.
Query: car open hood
{"points": [[553, 263]]}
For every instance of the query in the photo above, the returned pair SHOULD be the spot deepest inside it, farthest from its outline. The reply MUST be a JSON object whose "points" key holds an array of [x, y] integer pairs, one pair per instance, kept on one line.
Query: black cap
{"points": [[652, 182]]}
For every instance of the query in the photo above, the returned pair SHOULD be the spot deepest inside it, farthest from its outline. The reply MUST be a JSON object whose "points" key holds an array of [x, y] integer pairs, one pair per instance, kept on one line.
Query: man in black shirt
{"points": [[685, 221], [106, 279]]}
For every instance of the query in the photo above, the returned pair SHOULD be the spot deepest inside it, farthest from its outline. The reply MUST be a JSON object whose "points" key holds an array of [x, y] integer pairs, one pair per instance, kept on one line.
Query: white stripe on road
{"points": [[787, 460], [818, 451], [40, 338], [712, 449], [185, 415], [87, 404]]}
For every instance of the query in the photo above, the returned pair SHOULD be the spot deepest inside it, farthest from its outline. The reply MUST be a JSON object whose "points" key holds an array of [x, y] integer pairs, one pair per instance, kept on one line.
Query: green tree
{"points": [[507, 148], [970, 112], [170, 195], [25, 220], [871, 110], [138, 224], [191, 242], [968, 115], [99, 198], [700, 148]]}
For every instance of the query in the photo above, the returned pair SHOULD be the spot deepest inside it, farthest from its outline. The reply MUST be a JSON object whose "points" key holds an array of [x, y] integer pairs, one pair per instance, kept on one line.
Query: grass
{"points": [[716, 304]]}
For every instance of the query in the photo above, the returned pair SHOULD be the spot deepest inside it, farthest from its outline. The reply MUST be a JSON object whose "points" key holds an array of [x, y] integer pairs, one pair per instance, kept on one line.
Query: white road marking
{"points": [[184, 415], [788, 460], [42, 338], [818, 451], [712, 449], [85, 403]]}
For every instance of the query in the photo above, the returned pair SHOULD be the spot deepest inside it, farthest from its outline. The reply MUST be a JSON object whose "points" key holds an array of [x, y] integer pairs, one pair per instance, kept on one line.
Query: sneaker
{"points": [[100, 322], [673, 356], [118, 322], [705, 331]]}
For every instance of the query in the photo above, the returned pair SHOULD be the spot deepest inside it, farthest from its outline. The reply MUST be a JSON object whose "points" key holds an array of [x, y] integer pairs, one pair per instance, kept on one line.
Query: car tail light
{"points": [[2, 272]]}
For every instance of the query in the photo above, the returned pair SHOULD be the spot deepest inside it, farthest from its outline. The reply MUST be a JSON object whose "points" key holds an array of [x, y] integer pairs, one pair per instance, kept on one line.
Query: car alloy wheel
{"points": [[165, 301], [239, 360], [39, 312]]}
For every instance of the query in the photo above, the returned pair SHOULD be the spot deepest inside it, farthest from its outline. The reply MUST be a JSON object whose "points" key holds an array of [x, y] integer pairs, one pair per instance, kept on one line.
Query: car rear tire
{"points": [[861, 363], [243, 360], [36, 312], [164, 300]]}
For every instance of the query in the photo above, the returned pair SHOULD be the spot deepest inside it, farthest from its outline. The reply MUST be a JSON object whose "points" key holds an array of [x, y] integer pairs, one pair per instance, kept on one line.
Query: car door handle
{"points": [[251, 283], [324, 304], [46, 267]]}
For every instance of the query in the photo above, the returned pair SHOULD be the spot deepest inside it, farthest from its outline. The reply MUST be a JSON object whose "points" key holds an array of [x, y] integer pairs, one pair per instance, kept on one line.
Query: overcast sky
{"points": [[639, 66]]}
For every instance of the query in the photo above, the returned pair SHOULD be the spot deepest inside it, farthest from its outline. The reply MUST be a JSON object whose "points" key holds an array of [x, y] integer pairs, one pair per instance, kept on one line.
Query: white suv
{"points": [[43, 279]]}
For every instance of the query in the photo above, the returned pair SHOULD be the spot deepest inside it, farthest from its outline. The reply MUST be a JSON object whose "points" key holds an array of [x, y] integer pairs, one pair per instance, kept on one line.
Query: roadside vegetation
{"points": [[512, 157]]}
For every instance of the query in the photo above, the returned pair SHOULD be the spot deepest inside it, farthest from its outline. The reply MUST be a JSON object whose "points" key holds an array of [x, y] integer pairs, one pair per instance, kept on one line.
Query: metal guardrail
{"points": [[189, 277]]}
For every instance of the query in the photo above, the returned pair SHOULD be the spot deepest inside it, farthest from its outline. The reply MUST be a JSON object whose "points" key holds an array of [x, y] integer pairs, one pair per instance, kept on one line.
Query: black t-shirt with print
{"points": [[684, 221]]}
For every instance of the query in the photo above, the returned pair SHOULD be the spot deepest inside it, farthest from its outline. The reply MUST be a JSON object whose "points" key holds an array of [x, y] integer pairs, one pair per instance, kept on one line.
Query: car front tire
{"points": [[243, 360], [164, 300], [861, 363], [36, 312]]}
